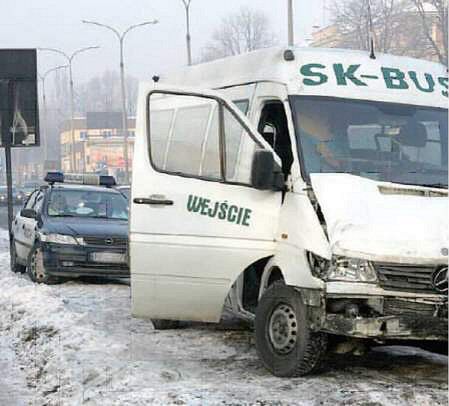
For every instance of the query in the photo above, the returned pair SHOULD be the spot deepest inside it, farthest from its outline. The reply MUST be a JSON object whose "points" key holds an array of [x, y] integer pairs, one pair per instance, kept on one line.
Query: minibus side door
{"points": [[196, 220]]}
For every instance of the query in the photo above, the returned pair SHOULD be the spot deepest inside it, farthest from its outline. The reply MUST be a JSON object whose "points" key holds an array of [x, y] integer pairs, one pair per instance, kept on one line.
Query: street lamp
{"points": [[69, 59], [187, 4], [121, 37], [291, 29], [42, 78]]}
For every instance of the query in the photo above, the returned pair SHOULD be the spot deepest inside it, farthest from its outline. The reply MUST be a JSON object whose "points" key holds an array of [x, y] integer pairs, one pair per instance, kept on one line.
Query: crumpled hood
{"points": [[383, 221]]}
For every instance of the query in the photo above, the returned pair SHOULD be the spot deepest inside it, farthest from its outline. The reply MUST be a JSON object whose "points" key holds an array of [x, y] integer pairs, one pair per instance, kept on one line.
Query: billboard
{"points": [[19, 117]]}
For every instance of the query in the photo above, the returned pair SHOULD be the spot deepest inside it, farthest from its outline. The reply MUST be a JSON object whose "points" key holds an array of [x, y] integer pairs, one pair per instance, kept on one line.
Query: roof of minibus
{"points": [[325, 72]]}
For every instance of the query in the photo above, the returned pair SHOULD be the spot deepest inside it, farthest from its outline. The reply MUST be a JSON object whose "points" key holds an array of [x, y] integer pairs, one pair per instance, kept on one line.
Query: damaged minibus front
{"points": [[306, 193]]}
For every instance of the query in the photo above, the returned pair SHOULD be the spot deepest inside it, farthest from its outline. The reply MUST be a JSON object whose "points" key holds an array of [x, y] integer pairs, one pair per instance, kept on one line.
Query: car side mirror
{"points": [[266, 174], [29, 214]]}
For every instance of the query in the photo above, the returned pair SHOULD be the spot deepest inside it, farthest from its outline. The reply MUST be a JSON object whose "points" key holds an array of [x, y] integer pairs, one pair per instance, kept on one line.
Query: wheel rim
{"points": [[283, 329], [37, 265]]}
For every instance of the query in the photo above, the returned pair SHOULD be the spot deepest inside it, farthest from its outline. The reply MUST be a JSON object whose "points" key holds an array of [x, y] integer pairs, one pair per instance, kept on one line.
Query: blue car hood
{"points": [[87, 227]]}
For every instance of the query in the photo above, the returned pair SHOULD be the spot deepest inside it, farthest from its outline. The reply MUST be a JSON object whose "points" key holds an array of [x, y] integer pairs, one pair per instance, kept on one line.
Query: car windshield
{"points": [[83, 203], [381, 141], [125, 191]]}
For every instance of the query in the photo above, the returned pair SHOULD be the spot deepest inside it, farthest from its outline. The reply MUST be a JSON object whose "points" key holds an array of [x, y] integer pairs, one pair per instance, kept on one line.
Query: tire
{"points": [[284, 342], [15, 266], [35, 267], [165, 324]]}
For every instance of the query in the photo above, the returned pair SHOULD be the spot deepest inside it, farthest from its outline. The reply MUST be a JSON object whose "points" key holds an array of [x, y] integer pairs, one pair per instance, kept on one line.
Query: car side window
{"points": [[30, 202], [240, 149], [39, 202], [205, 139], [189, 133]]}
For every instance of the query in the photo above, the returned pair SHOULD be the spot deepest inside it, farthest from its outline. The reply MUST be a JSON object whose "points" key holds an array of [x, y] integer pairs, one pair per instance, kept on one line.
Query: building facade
{"points": [[98, 145]]}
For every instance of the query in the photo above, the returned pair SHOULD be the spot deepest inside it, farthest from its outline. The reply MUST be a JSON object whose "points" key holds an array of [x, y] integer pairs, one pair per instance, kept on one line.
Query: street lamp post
{"points": [[43, 78], [291, 29], [121, 37], [69, 59], [187, 4]]}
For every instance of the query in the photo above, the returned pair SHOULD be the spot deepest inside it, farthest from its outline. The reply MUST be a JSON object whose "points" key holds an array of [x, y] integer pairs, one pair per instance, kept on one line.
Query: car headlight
{"points": [[59, 239], [351, 270], [342, 269]]}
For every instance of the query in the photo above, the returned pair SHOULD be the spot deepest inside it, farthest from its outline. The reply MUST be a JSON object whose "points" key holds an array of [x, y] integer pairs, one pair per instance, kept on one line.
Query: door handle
{"points": [[155, 200]]}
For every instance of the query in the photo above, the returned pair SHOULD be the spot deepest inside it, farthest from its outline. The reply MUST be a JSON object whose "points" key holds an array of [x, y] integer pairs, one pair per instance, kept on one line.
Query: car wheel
{"points": [[284, 342], [165, 324], [36, 269], [15, 266]]}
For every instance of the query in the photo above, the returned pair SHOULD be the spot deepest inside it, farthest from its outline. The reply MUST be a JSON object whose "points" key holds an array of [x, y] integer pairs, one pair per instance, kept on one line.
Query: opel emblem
{"points": [[109, 241], [439, 280], [444, 252]]}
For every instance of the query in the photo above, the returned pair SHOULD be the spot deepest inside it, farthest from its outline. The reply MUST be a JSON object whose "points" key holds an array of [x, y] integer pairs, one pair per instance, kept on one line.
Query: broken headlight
{"points": [[342, 269], [351, 270]]}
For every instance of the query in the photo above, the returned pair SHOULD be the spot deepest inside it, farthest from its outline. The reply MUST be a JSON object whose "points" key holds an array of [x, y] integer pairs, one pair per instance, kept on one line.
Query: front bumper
{"points": [[75, 261], [397, 327], [400, 316]]}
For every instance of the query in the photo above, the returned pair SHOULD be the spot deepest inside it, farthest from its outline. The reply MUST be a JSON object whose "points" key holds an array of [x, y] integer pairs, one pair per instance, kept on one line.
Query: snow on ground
{"points": [[76, 344]]}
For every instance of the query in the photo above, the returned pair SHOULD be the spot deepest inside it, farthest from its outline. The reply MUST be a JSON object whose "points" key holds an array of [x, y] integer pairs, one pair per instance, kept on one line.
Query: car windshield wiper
{"points": [[63, 215], [436, 185]]}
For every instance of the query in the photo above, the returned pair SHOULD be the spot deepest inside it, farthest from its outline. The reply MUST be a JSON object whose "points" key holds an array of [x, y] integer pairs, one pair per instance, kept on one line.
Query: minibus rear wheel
{"points": [[284, 342], [165, 324]]}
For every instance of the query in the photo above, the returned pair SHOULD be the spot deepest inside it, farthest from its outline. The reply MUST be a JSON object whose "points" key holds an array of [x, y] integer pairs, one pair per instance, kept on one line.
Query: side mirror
{"points": [[29, 214], [266, 174]]}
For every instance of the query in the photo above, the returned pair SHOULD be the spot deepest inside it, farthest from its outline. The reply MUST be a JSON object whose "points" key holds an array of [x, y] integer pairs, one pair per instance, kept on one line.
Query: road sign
{"points": [[19, 118], [19, 111]]}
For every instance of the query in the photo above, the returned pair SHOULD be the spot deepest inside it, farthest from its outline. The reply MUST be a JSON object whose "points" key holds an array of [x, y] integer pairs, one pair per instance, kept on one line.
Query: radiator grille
{"points": [[106, 241], [406, 277]]}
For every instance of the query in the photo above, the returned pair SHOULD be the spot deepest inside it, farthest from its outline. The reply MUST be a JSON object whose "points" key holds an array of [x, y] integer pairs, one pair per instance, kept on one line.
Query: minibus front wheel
{"points": [[284, 341]]}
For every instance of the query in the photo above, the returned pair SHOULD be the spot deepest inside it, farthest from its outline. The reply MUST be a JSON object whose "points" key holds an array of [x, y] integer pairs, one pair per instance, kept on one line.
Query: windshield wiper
{"points": [[436, 185], [63, 215]]}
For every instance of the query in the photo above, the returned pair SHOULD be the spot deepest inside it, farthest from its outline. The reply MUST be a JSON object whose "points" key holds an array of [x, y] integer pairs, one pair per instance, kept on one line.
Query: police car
{"points": [[76, 225]]}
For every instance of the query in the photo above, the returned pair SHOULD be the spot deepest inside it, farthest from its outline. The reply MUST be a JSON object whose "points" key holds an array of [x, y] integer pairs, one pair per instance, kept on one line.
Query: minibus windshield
{"points": [[381, 141]]}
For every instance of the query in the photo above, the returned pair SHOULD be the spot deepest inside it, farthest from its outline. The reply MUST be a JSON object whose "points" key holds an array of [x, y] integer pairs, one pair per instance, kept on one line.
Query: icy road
{"points": [[76, 344]]}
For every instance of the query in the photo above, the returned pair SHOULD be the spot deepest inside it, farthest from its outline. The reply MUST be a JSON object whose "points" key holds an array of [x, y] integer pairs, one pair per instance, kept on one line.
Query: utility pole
{"points": [[121, 37], [43, 78], [187, 4], [291, 28], [69, 59]]}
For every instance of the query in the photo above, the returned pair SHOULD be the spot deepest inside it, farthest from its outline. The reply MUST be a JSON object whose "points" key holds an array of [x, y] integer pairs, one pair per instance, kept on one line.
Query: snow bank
{"points": [[77, 344]]}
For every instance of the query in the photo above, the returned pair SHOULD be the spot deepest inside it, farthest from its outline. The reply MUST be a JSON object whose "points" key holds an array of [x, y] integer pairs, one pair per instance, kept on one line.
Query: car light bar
{"points": [[80, 179]]}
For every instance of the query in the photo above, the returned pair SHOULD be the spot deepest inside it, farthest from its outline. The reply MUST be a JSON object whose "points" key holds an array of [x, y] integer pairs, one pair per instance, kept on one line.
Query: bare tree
{"points": [[400, 26], [240, 32], [352, 19], [102, 93], [435, 25]]}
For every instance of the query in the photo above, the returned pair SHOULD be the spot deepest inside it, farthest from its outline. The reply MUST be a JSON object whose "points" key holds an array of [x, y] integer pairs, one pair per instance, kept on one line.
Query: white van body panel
{"points": [[313, 73], [184, 265], [383, 222], [166, 241]]}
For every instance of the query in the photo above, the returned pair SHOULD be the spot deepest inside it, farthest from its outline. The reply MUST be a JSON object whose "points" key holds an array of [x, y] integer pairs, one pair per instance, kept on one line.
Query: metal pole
{"points": [[72, 114], [188, 37], [9, 192], [9, 167], [121, 38], [124, 112], [45, 126], [73, 166], [291, 29]]}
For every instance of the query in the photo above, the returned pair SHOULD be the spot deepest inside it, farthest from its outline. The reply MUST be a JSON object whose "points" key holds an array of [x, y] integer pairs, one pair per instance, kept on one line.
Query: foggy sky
{"points": [[149, 50]]}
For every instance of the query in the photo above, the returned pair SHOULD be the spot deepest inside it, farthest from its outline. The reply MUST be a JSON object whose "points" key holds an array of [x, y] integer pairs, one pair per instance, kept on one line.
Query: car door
{"points": [[196, 221], [20, 229], [30, 225]]}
